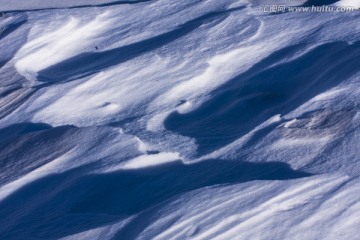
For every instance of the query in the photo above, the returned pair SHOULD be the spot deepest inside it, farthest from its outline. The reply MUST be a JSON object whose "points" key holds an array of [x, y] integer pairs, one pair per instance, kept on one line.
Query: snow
{"points": [[47, 50], [348, 3], [150, 160], [178, 120], [21, 5]]}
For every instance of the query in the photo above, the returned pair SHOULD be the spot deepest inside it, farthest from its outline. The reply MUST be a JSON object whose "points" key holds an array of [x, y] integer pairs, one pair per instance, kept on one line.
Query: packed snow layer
{"points": [[178, 120]]}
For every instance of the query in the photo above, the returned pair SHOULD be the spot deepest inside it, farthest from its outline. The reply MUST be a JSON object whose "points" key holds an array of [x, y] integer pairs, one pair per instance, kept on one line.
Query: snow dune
{"points": [[178, 120]]}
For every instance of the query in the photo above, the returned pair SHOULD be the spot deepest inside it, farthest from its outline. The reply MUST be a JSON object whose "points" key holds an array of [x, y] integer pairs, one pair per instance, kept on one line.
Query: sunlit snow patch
{"points": [[151, 160]]}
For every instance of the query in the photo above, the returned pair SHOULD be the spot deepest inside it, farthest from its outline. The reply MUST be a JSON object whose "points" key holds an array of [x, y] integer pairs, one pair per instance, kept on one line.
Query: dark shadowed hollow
{"points": [[268, 88], [104, 198]]}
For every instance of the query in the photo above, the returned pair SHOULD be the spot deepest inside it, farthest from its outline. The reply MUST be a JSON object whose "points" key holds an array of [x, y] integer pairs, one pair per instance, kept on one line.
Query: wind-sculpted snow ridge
{"points": [[178, 120], [35, 5]]}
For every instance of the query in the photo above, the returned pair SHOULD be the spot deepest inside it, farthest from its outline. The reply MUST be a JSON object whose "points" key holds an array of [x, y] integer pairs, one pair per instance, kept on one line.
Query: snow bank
{"points": [[178, 120]]}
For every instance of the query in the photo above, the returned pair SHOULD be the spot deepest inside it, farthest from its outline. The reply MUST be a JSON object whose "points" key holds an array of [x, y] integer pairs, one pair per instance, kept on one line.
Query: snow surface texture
{"points": [[178, 120]]}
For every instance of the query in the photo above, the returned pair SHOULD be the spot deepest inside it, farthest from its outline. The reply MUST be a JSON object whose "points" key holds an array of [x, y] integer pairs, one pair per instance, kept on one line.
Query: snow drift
{"points": [[178, 120]]}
